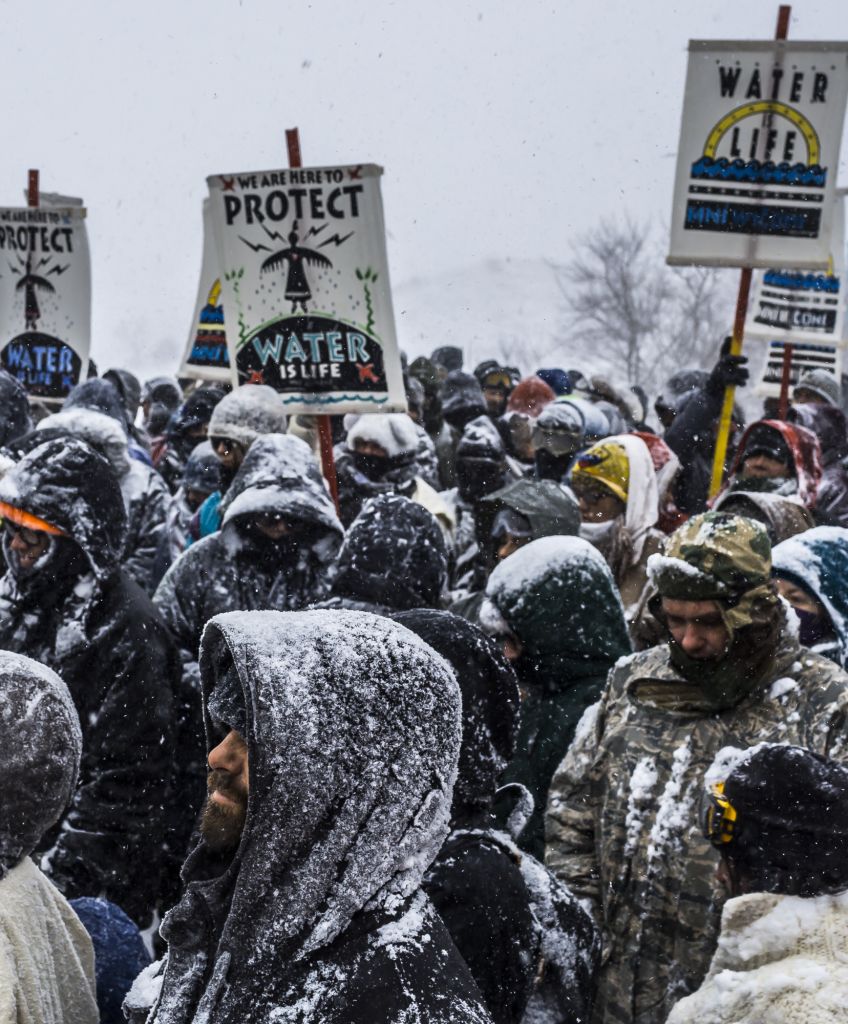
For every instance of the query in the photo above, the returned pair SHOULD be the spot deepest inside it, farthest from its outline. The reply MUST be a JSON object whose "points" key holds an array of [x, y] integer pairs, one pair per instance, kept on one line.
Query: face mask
{"points": [[600, 533], [478, 477], [372, 466], [813, 629]]}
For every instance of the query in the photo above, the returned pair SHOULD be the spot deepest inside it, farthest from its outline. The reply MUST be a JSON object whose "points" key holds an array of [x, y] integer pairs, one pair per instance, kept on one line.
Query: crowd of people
{"points": [[510, 722]]}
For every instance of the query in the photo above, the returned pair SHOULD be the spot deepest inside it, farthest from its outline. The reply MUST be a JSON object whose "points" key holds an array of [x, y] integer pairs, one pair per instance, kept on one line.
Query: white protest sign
{"points": [[759, 152], [797, 305], [805, 356], [45, 298], [305, 280], [206, 355]]}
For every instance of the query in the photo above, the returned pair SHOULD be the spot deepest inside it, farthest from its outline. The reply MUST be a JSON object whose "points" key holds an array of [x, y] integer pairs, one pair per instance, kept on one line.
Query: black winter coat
{"points": [[83, 617], [352, 731], [531, 948], [828, 424]]}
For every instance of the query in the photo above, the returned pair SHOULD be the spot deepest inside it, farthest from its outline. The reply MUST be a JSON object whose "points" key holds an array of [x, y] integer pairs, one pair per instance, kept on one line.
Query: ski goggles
{"points": [[25, 525], [719, 816]]}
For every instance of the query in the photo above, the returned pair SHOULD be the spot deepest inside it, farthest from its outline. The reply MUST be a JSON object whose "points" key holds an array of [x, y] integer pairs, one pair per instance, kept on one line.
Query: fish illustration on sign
{"points": [[298, 291]]}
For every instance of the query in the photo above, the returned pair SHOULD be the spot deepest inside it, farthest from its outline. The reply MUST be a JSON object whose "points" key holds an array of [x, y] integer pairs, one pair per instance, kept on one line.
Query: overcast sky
{"points": [[504, 129]]}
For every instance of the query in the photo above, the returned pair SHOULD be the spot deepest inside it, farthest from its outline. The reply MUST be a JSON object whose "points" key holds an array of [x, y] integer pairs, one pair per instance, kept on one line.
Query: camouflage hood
{"points": [[719, 557], [726, 559]]}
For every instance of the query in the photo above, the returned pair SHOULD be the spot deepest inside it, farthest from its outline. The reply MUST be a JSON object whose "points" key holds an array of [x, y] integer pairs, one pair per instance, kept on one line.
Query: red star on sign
{"points": [[355, 172], [229, 184], [257, 377]]}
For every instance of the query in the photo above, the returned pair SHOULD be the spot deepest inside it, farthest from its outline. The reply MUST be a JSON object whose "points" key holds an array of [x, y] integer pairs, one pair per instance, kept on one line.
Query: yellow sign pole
{"points": [[726, 418], [725, 421]]}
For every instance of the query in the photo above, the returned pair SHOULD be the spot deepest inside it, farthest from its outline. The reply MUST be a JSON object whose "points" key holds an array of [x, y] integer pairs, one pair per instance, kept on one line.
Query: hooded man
{"points": [[554, 609], [143, 490], [278, 538], [778, 458], [160, 399], [689, 408], [433, 419], [481, 468], [561, 431], [187, 428], [622, 816], [811, 571], [65, 602], [778, 815], [616, 485], [497, 384], [529, 397], [829, 426], [333, 745], [530, 946], [236, 422], [383, 454], [128, 387], [517, 514], [46, 956], [201, 476], [393, 558]]}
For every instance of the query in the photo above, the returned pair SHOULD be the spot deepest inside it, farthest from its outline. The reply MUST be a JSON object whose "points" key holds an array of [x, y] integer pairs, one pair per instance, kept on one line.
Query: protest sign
{"points": [[305, 282], [803, 356], [206, 356], [45, 299], [796, 305], [758, 155]]}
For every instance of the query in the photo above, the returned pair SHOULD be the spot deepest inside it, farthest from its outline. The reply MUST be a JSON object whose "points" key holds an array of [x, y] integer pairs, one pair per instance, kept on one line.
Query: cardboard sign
{"points": [[206, 356], [306, 286], [805, 356], [759, 154], [798, 305], [45, 299]]}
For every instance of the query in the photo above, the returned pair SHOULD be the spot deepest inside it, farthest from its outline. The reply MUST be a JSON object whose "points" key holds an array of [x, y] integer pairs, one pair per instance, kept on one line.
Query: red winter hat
{"points": [[530, 396]]}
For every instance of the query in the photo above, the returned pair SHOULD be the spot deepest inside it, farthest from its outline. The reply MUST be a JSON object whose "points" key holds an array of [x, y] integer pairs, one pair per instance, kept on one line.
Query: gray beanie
{"points": [[822, 383], [246, 413]]}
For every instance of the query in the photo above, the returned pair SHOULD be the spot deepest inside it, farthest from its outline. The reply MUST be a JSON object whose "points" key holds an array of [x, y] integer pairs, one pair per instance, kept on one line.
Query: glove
{"points": [[729, 371]]}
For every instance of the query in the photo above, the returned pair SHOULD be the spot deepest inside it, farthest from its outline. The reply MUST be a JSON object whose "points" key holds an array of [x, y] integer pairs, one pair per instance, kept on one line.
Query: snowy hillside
{"points": [[509, 309]]}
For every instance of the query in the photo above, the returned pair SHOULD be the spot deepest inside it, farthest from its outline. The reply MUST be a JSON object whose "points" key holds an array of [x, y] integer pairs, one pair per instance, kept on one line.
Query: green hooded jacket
{"points": [[557, 596]]}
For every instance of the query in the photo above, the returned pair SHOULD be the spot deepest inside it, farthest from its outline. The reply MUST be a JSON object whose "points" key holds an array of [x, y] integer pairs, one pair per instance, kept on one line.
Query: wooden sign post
{"points": [[325, 429]]}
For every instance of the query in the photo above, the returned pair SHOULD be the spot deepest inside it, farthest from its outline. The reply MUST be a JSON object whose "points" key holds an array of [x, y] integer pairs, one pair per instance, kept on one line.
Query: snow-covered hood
{"points": [[247, 413], [394, 432], [353, 732], [642, 493], [818, 561], [40, 750], [547, 583], [15, 420], [70, 485], [280, 475], [103, 433], [394, 554], [806, 457]]}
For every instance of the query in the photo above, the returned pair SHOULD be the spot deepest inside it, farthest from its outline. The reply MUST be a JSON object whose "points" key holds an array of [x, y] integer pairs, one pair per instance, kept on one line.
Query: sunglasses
{"points": [[28, 536], [719, 816], [223, 442]]}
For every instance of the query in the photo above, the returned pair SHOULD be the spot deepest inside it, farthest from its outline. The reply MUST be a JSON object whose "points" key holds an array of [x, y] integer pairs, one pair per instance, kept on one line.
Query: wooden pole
{"points": [[32, 188], [325, 429], [786, 374], [725, 420]]}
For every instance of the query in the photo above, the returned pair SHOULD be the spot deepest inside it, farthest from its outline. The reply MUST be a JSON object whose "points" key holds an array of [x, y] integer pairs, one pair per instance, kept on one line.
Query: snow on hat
{"points": [[448, 356], [481, 440], [246, 413], [821, 383], [392, 431]]}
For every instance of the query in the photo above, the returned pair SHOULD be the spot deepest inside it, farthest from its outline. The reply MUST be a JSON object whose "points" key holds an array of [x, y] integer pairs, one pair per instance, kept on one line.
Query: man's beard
{"points": [[222, 824]]}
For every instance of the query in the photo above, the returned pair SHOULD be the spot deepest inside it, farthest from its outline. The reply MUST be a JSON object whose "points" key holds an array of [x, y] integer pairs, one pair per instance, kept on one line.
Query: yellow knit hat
{"points": [[605, 463]]}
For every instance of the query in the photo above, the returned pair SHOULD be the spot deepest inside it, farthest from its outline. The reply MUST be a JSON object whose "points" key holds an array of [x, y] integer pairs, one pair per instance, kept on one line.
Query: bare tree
{"points": [[623, 299]]}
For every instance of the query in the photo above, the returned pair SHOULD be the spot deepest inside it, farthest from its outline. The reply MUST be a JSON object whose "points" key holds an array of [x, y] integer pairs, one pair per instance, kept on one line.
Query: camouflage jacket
{"points": [[623, 821]]}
